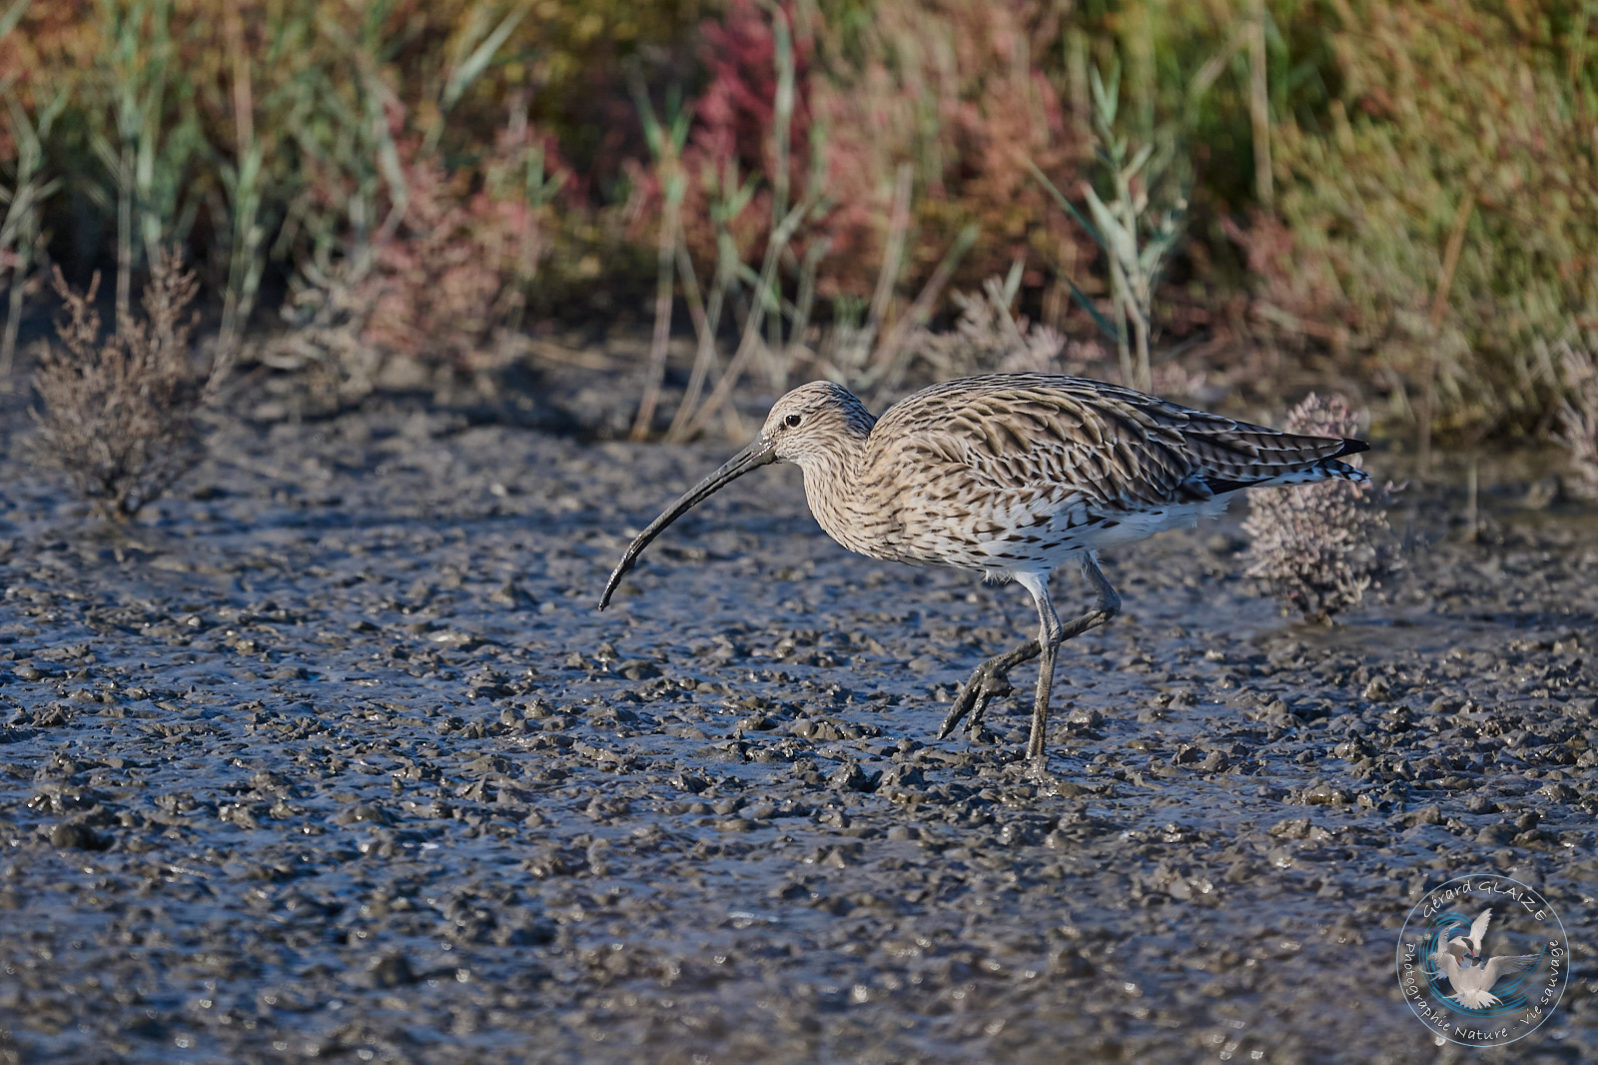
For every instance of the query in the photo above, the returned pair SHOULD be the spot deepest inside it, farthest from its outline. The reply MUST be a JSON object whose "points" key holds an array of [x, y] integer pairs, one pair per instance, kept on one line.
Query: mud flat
{"points": [[331, 758]]}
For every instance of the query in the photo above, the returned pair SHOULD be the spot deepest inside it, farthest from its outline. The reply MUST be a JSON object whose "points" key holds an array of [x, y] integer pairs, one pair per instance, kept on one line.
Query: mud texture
{"points": [[331, 758]]}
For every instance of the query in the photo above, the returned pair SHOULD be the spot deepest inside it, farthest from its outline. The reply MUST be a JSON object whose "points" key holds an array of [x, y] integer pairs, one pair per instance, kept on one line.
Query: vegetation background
{"points": [[1228, 200]]}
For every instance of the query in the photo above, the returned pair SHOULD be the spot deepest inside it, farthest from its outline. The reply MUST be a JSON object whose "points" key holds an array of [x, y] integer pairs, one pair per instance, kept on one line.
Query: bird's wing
{"points": [[1478, 928], [1505, 964], [1039, 434], [1110, 446], [1448, 964]]}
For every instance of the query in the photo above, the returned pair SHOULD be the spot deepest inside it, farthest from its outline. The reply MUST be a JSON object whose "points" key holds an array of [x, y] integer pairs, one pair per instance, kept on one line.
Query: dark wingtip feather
{"points": [[1350, 447]]}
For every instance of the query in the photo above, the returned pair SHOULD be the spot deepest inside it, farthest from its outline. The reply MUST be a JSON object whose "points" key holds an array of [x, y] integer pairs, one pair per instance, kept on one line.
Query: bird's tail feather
{"points": [[1265, 458]]}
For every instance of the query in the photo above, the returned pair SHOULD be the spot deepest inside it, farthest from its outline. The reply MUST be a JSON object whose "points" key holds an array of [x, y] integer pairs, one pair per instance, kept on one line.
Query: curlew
{"points": [[1012, 476]]}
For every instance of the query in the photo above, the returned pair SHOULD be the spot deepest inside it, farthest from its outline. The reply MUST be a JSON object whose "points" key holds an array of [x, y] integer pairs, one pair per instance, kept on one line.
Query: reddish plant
{"points": [[457, 264], [1296, 294], [736, 117], [953, 89]]}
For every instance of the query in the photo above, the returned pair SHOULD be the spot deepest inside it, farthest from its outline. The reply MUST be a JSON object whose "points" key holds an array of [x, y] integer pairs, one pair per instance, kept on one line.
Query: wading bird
{"points": [[1012, 476]]}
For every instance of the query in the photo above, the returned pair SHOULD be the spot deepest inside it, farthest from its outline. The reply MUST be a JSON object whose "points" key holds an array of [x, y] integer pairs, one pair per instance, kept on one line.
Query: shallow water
{"points": [[332, 757]]}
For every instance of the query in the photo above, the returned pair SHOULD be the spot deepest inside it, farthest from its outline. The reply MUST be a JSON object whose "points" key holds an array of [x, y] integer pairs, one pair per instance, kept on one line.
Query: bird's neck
{"points": [[831, 480]]}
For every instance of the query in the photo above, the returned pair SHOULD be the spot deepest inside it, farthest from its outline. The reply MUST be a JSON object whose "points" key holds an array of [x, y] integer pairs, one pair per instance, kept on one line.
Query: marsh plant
{"points": [[1578, 418], [988, 337], [119, 415], [1320, 547], [1136, 234], [430, 297], [834, 178], [1446, 241], [24, 189], [1406, 193]]}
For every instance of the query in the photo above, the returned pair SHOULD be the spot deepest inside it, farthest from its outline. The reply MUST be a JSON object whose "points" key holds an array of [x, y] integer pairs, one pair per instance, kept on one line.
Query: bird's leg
{"points": [[1051, 634], [990, 679]]}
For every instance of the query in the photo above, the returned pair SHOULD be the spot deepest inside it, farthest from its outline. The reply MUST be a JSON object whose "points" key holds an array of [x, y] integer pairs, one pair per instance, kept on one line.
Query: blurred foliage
{"points": [[956, 90], [1578, 419], [330, 82], [1407, 191], [1439, 220]]}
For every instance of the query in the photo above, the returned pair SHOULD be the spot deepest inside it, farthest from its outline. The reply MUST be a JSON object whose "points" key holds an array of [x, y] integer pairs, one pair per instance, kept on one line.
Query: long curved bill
{"points": [[759, 453]]}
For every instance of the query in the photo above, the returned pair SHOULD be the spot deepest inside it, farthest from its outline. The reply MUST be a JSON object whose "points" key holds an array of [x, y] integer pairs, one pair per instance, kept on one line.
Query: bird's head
{"points": [[813, 426], [811, 422]]}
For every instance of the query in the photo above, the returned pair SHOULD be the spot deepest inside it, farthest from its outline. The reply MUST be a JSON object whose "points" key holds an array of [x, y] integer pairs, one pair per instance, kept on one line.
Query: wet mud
{"points": [[331, 758]]}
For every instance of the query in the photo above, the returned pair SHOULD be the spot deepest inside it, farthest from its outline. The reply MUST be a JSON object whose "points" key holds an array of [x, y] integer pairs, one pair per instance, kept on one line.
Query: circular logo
{"points": [[1483, 960]]}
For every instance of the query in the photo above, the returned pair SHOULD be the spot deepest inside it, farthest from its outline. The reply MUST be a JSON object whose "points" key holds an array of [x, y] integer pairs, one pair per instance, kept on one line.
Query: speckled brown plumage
{"points": [[1013, 475]]}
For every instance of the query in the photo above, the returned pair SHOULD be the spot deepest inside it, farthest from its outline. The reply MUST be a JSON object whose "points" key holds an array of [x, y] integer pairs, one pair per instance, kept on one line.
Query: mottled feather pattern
{"points": [[1038, 466]]}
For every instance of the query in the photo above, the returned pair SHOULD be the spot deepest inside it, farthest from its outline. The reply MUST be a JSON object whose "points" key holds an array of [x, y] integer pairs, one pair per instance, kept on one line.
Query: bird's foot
{"points": [[1032, 770], [985, 684]]}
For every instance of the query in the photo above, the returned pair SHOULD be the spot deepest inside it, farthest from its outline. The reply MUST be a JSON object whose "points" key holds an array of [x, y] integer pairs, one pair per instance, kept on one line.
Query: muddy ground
{"points": [[330, 757]]}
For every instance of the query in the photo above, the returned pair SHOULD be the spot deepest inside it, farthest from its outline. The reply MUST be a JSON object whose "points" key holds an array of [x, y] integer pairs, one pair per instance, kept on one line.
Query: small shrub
{"points": [[434, 295], [438, 287], [119, 415], [1578, 419], [988, 339], [1319, 546]]}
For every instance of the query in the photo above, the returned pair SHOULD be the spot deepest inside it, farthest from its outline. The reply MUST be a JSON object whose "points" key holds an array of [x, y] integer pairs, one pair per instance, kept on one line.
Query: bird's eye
{"points": [[792, 421]]}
